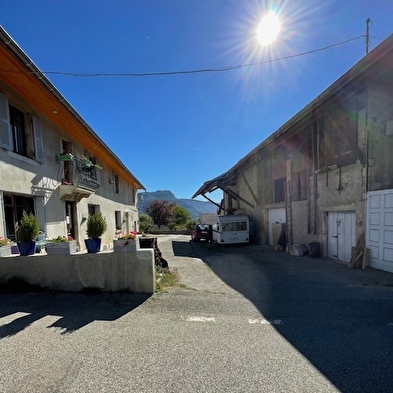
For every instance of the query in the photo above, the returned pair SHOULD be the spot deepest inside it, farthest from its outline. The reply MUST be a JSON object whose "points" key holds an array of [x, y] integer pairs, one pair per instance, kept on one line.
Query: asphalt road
{"points": [[246, 319]]}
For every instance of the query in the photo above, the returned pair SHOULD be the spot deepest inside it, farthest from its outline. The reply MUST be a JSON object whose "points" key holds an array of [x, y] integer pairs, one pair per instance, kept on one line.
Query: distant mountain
{"points": [[194, 207]]}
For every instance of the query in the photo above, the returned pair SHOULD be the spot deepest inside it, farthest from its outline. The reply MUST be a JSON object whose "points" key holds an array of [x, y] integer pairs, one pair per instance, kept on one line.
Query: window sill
{"points": [[22, 158]]}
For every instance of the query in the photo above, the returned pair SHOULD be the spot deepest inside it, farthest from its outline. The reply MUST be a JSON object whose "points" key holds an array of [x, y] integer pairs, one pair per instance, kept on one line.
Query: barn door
{"points": [[341, 235]]}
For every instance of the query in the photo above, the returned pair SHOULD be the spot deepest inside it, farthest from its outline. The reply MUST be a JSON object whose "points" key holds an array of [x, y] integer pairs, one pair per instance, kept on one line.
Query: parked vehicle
{"points": [[231, 229], [202, 232]]}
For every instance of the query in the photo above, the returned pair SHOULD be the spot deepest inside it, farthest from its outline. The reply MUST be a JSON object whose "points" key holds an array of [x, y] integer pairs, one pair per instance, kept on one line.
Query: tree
{"points": [[180, 217], [145, 223], [160, 212]]}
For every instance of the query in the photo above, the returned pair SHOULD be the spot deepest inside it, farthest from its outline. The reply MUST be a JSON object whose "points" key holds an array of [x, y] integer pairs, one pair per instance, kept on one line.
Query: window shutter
{"points": [[38, 142], [98, 176], [6, 140]]}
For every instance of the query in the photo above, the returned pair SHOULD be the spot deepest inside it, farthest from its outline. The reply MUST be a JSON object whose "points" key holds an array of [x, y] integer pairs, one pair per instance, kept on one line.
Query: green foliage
{"points": [[180, 217], [191, 224], [160, 212], [145, 223], [29, 228], [58, 239], [96, 226]]}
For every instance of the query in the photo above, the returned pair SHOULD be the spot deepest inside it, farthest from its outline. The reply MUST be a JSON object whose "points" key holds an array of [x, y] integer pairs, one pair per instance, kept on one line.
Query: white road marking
{"points": [[389, 323], [201, 319], [266, 321]]}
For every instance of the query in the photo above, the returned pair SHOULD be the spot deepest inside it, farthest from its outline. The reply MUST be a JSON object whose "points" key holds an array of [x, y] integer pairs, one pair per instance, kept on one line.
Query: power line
{"points": [[197, 71]]}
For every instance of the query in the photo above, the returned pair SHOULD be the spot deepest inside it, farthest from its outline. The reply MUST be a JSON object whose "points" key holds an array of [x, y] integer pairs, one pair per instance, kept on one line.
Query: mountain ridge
{"points": [[194, 207]]}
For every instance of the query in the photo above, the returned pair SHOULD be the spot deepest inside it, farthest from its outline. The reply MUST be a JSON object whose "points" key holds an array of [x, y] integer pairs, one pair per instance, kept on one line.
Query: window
{"points": [[279, 190], [93, 209], [116, 183], [133, 193], [13, 210], [67, 148], [17, 121], [299, 186], [118, 219], [18, 135], [95, 173], [234, 226]]}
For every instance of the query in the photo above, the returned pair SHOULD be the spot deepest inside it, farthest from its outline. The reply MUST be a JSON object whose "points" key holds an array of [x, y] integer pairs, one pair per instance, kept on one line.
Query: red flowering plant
{"points": [[125, 236], [4, 241]]}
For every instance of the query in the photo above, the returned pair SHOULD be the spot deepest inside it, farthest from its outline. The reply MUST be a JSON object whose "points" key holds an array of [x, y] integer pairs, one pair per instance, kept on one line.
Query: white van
{"points": [[231, 229]]}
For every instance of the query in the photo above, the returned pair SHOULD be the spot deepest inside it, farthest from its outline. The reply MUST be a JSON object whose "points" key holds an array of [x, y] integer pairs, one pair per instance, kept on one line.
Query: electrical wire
{"points": [[197, 71]]}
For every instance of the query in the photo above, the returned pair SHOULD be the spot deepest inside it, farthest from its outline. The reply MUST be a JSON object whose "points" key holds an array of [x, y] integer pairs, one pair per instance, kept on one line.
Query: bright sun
{"points": [[268, 29]]}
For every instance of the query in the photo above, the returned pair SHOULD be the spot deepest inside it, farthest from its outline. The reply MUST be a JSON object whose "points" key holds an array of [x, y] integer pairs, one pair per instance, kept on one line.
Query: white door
{"points": [[379, 232], [341, 235], [275, 216]]}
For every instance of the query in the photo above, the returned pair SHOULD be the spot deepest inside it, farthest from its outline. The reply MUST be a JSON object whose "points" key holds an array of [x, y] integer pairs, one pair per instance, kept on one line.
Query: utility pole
{"points": [[367, 34]]}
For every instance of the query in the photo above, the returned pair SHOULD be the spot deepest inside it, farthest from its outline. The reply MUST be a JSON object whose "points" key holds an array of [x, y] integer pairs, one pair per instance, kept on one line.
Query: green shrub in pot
{"points": [[96, 226], [29, 228]]}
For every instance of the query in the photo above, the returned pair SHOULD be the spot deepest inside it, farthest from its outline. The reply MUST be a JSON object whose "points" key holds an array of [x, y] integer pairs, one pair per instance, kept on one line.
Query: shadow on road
{"points": [[340, 319], [74, 310]]}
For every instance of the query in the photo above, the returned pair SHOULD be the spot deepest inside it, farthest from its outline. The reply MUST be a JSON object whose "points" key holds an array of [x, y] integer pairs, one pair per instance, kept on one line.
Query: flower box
{"points": [[65, 157], [63, 248], [126, 245], [5, 251]]}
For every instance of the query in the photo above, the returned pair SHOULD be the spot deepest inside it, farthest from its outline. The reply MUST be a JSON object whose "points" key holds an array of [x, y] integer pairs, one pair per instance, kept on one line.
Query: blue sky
{"points": [[175, 132]]}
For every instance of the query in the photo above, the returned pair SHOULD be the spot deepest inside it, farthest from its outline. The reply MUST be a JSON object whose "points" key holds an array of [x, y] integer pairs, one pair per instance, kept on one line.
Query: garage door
{"points": [[379, 232]]}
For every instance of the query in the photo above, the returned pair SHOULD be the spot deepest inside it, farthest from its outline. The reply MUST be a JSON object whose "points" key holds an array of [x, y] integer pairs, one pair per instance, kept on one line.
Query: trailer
{"points": [[231, 229]]}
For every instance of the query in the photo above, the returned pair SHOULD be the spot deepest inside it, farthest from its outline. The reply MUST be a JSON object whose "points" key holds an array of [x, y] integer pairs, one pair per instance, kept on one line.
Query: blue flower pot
{"points": [[93, 245], [26, 248]]}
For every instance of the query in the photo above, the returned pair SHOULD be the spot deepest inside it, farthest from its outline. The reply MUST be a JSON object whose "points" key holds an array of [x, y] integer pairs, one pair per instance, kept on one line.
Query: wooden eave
{"points": [[42, 95]]}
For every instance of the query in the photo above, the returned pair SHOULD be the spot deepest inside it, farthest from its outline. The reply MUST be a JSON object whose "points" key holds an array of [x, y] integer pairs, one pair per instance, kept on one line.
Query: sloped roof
{"points": [[378, 61]]}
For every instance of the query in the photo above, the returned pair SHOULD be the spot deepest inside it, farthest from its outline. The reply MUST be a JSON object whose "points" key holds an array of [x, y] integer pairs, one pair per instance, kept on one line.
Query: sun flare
{"points": [[268, 29]]}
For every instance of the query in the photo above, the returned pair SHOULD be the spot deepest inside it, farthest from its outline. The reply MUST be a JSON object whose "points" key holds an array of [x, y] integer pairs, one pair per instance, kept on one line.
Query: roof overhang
{"points": [[218, 182], [223, 182], [19, 72]]}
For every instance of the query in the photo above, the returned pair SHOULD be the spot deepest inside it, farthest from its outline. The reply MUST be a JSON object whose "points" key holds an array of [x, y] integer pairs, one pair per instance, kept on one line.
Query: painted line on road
{"points": [[201, 319], [389, 323], [266, 321]]}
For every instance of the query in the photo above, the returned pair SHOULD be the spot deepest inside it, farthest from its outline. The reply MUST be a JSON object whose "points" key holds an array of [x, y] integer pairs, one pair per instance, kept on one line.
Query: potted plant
{"points": [[96, 227], [29, 228], [5, 246], [124, 242], [88, 165], [61, 245]]}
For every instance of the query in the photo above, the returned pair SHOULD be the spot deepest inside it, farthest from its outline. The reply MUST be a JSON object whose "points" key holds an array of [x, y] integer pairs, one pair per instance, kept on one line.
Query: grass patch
{"points": [[166, 279]]}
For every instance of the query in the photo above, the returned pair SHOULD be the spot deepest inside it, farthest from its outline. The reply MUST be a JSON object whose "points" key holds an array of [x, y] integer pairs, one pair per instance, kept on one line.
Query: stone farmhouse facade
{"points": [[327, 173]]}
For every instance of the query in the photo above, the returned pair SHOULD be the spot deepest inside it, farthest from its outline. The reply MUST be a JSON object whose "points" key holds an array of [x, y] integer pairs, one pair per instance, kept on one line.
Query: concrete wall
{"points": [[109, 271]]}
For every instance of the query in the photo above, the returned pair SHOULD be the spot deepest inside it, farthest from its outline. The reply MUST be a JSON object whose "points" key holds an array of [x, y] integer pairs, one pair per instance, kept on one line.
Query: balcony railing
{"points": [[82, 174], [86, 174]]}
